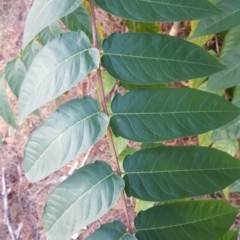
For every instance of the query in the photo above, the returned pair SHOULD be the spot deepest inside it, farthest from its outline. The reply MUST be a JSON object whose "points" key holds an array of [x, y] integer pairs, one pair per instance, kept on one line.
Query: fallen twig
{"points": [[5, 206]]}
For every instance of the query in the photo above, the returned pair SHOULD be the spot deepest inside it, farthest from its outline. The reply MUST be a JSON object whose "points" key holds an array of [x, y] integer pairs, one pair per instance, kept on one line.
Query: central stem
{"points": [[104, 106]]}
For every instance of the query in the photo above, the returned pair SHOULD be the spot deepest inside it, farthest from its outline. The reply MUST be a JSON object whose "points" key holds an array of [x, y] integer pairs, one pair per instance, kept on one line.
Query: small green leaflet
{"points": [[143, 59], [29, 53], [15, 74], [230, 235], [111, 231], [229, 77], [231, 40], [186, 220], [43, 13], [226, 20], [80, 200], [167, 173], [79, 20], [60, 65], [158, 10], [236, 96], [151, 115], [5, 109], [68, 132], [49, 33]]}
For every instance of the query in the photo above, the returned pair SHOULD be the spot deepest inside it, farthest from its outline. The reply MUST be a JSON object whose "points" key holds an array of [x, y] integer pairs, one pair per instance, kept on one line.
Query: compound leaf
{"points": [[72, 129], [220, 22], [196, 220], [80, 200], [229, 77], [158, 10], [167, 173], [60, 65], [155, 58], [15, 74], [150, 115], [43, 13], [109, 231], [5, 109], [49, 33]]}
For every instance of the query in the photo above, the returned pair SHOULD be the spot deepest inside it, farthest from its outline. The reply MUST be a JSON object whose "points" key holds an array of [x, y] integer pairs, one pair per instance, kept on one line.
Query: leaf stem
{"points": [[104, 106]]}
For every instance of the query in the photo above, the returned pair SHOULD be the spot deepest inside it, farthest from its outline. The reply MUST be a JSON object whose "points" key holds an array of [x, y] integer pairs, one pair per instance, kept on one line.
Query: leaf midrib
{"points": [[160, 59], [79, 199], [78, 122], [178, 171]]}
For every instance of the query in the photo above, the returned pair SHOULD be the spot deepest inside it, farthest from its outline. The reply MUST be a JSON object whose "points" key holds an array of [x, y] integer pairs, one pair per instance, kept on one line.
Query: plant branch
{"points": [[104, 106]]}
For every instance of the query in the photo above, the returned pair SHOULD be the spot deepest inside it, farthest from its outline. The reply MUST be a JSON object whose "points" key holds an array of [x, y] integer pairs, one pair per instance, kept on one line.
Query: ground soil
{"points": [[26, 200]]}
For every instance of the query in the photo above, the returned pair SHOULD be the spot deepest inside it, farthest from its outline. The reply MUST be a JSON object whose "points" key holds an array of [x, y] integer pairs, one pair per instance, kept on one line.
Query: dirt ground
{"points": [[26, 200]]}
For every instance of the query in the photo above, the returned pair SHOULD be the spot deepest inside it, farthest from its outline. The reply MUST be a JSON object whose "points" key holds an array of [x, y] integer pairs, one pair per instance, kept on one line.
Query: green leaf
{"points": [[141, 59], [79, 20], [5, 109], [229, 77], [60, 65], [80, 200], [43, 13], [228, 146], [204, 139], [151, 145], [236, 96], [220, 22], [49, 33], [178, 113], [228, 131], [120, 144], [231, 40], [143, 205], [129, 86], [167, 173], [123, 154], [15, 74], [29, 53], [235, 187], [197, 220], [108, 82], [111, 231], [158, 10], [68, 132], [143, 27], [230, 235]]}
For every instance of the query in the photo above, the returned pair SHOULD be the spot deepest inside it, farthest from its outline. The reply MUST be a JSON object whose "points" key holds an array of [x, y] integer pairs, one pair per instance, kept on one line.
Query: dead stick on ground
{"points": [[5, 206]]}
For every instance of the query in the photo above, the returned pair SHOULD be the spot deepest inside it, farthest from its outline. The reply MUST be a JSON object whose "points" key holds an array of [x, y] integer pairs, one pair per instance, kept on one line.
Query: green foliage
{"points": [[73, 128], [65, 61], [44, 13], [5, 109], [81, 199], [152, 111], [49, 33], [143, 55], [193, 171], [179, 113], [110, 231], [227, 19], [185, 219], [158, 11], [229, 77]]}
